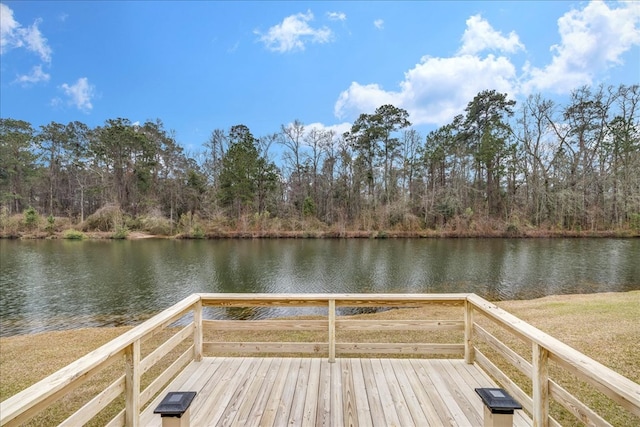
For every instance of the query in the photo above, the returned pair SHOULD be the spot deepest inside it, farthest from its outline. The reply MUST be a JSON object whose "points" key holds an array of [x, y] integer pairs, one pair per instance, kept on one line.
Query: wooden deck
{"points": [[247, 391], [255, 390]]}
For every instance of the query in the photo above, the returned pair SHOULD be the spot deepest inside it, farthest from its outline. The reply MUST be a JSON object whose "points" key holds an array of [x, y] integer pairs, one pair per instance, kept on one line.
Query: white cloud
{"points": [[80, 94], [480, 36], [36, 76], [379, 24], [13, 35], [337, 16], [293, 33], [436, 89], [591, 41]]}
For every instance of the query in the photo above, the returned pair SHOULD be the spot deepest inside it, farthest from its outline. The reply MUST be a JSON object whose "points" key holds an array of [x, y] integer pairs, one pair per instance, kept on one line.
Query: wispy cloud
{"points": [[13, 35], [293, 33], [379, 24], [80, 94], [337, 16], [36, 76]]}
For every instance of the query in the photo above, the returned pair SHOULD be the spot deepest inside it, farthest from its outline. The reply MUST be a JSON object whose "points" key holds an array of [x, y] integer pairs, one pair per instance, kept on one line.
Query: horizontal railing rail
{"points": [[331, 324], [194, 337]]}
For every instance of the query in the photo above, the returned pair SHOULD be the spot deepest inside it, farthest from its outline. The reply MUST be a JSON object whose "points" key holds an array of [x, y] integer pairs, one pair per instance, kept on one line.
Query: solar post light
{"points": [[498, 407], [174, 408]]}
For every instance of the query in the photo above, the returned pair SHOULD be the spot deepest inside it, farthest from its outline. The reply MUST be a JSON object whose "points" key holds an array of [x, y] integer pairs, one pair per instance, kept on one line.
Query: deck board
{"points": [[312, 392]]}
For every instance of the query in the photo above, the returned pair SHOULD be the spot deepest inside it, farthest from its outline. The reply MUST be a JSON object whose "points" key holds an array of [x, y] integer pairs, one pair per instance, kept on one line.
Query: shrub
{"points": [[107, 218], [308, 207], [156, 225], [51, 224], [31, 218], [120, 233], [73, 235], [197, 232]]}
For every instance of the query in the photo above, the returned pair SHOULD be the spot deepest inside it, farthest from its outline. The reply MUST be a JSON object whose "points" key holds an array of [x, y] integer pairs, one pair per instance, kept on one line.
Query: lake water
{"points": [[54, 284]]}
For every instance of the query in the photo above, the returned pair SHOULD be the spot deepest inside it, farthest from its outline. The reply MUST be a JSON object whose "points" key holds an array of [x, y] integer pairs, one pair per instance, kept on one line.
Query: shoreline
{"points": [[334, 234]]}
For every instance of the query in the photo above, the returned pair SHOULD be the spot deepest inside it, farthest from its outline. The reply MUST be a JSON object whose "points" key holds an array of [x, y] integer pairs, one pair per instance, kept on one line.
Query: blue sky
{"points": [[200, 66]]}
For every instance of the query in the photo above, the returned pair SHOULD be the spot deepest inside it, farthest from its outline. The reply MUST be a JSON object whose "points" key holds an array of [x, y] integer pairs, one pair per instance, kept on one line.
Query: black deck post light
{"points": [[174, 408], [498, 407]]}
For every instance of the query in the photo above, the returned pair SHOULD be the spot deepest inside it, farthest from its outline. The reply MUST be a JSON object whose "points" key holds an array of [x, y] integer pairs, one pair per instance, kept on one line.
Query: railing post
{"points": [[197, 332], [332, 330], [132, 384], [469, 354], [540, 396]]}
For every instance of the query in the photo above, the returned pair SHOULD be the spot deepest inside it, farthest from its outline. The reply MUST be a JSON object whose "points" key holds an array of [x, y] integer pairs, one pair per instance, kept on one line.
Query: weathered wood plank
{"points": [[511, 356], [296, 415], [399, 325], [316, 300], [274, 399], [286, 399], [265, 325], [237, 394], [132, 385], [260, 400], [412, 403], [250, 399], [540, 393], [212, 347], [161, 380], [156, 355], [400, 348], [422, 370], [397, 398], [220, 390], [337, 414], [323, 414], [95, 405], [332, 330], [464, 394], [581, 411], [349, 401], [416, 391], [359, 388]]}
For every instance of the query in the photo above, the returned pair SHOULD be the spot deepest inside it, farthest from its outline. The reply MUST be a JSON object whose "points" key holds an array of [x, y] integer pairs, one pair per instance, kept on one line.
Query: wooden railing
{"points": [[193, 337], [545, 350]]}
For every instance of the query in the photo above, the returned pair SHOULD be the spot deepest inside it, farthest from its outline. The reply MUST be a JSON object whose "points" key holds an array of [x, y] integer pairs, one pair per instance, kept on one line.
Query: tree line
{"points": [[538, 164]]}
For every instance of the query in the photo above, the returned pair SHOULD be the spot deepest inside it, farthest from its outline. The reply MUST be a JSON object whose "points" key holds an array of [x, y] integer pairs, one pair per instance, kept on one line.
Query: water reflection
{"points": [[48, 285]]}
